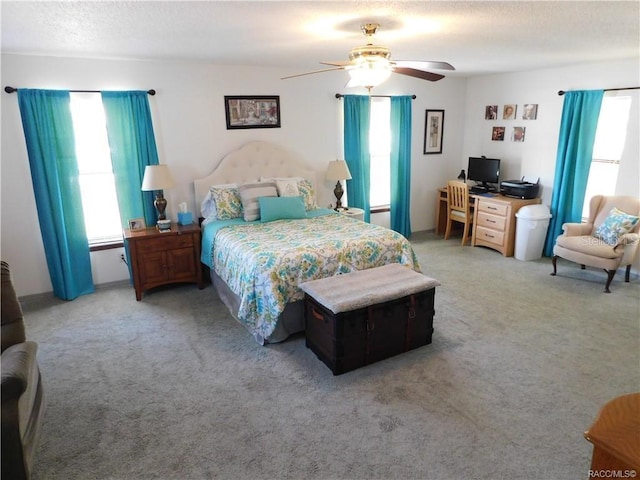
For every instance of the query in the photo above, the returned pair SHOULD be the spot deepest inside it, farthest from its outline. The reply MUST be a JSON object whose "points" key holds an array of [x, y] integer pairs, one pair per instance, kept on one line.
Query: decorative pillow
{"points": [[277, 208], [227, 201], [208, 206], [287, 187], [615, 225], [249, 194], [308, 194]]}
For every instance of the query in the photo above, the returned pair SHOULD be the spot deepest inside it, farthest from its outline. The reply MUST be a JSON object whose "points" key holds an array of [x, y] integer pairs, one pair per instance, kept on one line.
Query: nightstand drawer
{"points": [[495, 208], [159, 244], [488, 235], [492, 221]]}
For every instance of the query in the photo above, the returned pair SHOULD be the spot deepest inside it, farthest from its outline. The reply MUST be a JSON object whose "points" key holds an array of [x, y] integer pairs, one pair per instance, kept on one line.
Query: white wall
{"points": [[189, 122], [536, 156], [191, 134]]}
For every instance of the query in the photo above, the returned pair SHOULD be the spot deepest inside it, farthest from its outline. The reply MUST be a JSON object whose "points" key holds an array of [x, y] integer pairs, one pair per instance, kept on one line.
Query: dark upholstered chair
{"points": [[22, 395]]}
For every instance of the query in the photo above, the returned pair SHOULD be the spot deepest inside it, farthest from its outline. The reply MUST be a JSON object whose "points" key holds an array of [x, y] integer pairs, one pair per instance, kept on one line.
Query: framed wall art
{"points": [[433, 130], [491, 112], [509, 111], [518, 134], [530, 111], [258, 111], [497, 134]]}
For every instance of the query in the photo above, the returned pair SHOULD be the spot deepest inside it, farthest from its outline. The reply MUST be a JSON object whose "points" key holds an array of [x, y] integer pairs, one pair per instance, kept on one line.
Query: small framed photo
{"points": [[497, 134], [137, 224], [491, 112], [509, 111], [433, 130], [518, 134], [530, 111], [252, 111]]}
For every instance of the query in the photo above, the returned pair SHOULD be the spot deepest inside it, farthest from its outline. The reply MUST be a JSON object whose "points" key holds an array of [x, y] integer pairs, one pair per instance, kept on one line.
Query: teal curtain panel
{"points": [[401, 164], [580, 113], [356, 151], [133, 147], [48, 131]]}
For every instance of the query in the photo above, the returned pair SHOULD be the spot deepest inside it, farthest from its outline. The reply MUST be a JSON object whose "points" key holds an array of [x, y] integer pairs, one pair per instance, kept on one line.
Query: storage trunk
{"points": [[347, 340]]}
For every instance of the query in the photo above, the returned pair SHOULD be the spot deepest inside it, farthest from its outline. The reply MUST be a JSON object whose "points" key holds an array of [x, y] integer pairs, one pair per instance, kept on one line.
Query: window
{"points": [[97, 183], [611, 135], [380, 152]]}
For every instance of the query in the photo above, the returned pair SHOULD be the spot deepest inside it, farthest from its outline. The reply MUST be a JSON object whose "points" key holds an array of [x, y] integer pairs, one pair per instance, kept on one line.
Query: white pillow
{"points": [[208, 206], [287, 187], [274, 179]]}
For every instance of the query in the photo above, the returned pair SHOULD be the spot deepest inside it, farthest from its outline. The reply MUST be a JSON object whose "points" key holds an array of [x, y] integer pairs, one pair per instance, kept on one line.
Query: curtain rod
{"points": [[13, 90], [339, 95], [562, 92]]}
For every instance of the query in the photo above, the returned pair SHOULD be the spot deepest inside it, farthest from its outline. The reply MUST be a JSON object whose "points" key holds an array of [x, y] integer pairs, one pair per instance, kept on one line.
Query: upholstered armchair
{"points": [[22, 395], [608, 240]]}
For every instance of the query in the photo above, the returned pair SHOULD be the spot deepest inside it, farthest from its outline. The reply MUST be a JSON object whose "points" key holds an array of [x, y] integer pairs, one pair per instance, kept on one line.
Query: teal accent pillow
{"points": [[278, 208], [615, 225]]}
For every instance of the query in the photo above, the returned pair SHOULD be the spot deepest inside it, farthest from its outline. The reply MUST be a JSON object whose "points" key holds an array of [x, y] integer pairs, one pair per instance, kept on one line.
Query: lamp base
{"points": [[161, 204], [338, 192]]}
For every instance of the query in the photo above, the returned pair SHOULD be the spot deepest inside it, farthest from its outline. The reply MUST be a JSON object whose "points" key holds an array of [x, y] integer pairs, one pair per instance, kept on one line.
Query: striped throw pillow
{"points": [[249, 195]]}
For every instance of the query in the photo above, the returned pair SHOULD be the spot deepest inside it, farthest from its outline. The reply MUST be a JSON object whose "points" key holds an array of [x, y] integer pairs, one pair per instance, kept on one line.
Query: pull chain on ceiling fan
{"points": [[370, 65]]}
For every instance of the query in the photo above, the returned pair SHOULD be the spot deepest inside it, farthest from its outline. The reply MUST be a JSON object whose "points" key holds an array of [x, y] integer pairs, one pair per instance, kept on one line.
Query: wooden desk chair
{"points": [[458, 208]]}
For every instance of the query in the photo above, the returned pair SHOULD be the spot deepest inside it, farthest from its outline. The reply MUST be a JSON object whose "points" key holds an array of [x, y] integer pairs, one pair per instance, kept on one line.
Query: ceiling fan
{"points": [[370, 65]]}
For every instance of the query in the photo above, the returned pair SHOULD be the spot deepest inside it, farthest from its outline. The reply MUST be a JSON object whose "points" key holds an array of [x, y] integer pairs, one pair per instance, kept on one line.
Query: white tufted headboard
{"points": [[250, 162]]}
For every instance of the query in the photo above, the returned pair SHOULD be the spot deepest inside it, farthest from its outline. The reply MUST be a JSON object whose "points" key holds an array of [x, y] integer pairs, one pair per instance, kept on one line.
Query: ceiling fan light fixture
{"points": [[369, 73], [370, 65]]}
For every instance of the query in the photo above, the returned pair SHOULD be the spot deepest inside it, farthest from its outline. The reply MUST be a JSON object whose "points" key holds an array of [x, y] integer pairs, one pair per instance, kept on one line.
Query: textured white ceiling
{"points": [[477, 37]]}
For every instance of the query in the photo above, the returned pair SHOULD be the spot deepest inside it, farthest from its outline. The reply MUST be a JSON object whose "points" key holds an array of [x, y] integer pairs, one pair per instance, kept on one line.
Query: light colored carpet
{"points": [[173, 388]]}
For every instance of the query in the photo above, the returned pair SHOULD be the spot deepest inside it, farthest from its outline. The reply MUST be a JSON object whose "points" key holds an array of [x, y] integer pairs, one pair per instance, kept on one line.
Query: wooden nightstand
{"points": [[160, 258], [353, 212]]}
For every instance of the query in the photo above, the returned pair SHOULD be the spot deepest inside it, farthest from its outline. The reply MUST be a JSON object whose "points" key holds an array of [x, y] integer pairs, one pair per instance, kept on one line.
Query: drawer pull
{"points": [[489, 207], [317, 315], [489, 221], [489, 236]]}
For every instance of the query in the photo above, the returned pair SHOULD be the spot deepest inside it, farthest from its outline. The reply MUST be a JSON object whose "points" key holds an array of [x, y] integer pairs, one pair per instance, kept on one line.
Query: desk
{"points": [[494, 222]]}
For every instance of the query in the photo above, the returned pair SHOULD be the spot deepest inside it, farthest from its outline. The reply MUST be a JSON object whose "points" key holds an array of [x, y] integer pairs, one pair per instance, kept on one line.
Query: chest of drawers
{"points": [[494, 222]]}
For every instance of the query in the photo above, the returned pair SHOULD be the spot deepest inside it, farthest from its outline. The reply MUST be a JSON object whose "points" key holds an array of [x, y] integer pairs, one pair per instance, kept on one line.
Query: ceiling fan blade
{"points": [[426, 65], [311, 73], [412, 72], [337, 63]]}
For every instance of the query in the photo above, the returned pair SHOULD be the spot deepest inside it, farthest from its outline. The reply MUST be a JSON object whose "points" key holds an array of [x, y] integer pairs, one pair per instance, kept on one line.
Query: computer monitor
{"points": [[485, 171]]}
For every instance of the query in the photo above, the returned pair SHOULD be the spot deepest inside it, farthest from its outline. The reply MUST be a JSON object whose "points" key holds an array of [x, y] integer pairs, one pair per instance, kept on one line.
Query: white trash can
{"points": [[531, 230]]}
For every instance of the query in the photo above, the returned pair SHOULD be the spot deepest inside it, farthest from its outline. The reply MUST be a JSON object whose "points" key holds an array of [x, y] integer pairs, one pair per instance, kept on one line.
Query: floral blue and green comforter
{"points": [[263, 263]]}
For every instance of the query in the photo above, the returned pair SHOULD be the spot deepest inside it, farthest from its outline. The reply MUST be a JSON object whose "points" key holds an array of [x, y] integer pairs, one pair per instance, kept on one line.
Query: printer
{"points": [[519, 189]]}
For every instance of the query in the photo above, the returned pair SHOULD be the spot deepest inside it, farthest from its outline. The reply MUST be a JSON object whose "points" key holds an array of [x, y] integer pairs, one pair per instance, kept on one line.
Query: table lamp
{"points": [[338, 171], [158, 177]]}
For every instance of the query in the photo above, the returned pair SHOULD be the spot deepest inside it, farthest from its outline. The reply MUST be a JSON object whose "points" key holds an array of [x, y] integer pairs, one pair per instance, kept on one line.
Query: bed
{"points": [[256, 265]]}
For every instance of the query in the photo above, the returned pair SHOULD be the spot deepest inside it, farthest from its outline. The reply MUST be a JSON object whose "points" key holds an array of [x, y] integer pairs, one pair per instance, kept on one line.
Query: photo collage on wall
{"points": [[510, 112]]}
